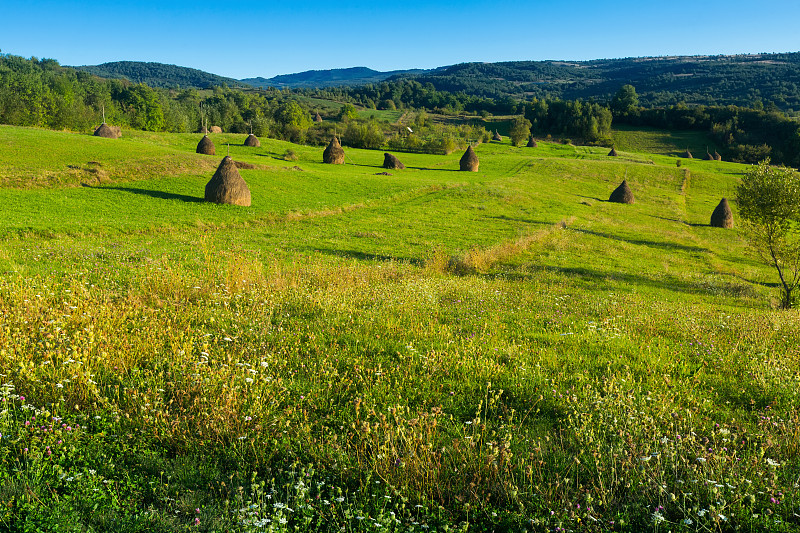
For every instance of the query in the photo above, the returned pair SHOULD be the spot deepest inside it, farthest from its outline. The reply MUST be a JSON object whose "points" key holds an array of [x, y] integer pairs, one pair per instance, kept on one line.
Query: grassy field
{"points": [[429, 350]]}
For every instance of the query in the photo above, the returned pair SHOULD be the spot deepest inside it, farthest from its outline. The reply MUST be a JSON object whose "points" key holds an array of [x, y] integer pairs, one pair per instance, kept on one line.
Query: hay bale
{"points": [[252, 140], [216, 129], [104, 130], [532, 143], [717, 157], [206, 146], [334, 153], [722, 216], [496, 136], [469, 161], [317, 118], [687, 154], [227, 186], [390, 161], [622, 194], [613, 152]]}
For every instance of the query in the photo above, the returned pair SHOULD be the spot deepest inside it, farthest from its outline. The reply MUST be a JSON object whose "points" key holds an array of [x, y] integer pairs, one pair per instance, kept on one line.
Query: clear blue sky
{"points": [[244, 38]]}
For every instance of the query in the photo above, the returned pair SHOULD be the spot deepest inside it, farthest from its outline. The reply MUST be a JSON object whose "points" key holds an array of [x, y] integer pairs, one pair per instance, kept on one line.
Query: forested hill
{"points": [[160, 75], [328, 78], [745, 80]]}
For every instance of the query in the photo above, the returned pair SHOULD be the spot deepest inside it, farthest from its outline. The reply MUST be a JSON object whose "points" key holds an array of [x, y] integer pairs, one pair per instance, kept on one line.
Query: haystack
{"points": [[390, 161], [532, 143], [204, 130], [496, 136], [613, 152], [708, 157], [104, 130], [717, 157], [722, 216], [206, 146], [622, 194], [216, 129], [227, 186], [469, 161], [333, 154], [317, 118], [252, 140], [687, 154]]}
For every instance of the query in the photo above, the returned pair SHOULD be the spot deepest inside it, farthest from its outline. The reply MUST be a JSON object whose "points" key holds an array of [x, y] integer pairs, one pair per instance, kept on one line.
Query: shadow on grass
{"points": [[654, 244], [679, 221], [364, 256], [161, 195], [591, 198], [523, 220]]}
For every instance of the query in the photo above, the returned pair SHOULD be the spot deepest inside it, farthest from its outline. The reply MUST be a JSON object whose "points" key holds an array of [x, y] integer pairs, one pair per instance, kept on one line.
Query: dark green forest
{"points": [[160, 75], [45, 94], [762, 81]]}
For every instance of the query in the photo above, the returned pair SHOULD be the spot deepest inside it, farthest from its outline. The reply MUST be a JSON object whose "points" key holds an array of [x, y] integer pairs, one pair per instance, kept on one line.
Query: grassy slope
{"points": [[591, 354]]}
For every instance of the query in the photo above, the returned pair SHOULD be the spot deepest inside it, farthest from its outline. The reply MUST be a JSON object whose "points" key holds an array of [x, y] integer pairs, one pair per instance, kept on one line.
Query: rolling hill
{"points": [[703, 80], [159, 74], [328, 78]]}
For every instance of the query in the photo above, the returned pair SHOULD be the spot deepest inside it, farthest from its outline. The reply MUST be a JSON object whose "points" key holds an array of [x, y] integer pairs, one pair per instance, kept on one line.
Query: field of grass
{"points": [[662, 142], [429, 350]]}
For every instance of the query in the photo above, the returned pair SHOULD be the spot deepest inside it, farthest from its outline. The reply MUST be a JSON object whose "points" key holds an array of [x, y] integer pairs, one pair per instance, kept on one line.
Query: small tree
{"points": [[769, 204], [348, 112], [625, 102], [520, 130]]}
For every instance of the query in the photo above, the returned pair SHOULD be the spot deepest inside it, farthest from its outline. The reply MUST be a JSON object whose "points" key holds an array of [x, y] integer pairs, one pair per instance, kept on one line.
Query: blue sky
{"points": [[244, 38]]}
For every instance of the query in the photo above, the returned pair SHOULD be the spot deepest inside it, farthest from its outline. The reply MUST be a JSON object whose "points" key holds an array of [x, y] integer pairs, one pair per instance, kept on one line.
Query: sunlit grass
{"points": [[427, 351]]}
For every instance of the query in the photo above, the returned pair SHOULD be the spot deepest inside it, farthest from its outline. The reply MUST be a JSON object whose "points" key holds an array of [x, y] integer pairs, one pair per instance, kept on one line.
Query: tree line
{"points": [[42, 93]]}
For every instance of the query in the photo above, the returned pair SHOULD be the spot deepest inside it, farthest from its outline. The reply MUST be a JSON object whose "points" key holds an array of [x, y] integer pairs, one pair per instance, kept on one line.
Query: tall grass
{"points": [[500, 352]]}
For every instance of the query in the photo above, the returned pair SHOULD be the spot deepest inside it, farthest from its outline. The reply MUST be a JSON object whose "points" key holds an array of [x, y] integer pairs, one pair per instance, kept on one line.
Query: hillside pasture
{"points": [[430, 350]]}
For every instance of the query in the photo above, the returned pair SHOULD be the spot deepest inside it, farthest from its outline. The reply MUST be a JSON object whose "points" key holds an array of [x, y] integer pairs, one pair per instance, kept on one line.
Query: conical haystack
{"points": [[496, 136], [206, 146], [333, 154], [390, 161], [317, 118], [613, 152], [227, 186], [216, 129], [469, 161], [708, 157], [722, 216], [622, 194], [252, 140], [717, 157], [687, 154], [203, 130], [532, 143], [104, 130]]}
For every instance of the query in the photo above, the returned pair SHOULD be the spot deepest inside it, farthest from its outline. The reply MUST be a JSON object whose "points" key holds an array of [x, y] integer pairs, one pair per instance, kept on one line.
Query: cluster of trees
{"points": [[741, 134], [42, 93], [766, 80]]}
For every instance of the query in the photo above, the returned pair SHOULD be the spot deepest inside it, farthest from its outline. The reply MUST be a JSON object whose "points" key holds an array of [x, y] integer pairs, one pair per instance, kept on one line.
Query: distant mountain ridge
{"points": [[329, 78], [159, 75], [707, 80], [747, 80]]}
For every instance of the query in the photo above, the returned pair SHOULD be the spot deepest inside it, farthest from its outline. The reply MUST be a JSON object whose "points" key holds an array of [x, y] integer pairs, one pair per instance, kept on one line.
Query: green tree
{"points": [[520, 130], [348, 112], [769, 204], [293, 120], [625, 103]]}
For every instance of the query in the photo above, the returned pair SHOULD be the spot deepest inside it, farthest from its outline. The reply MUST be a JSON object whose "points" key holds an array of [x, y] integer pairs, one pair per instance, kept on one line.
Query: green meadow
{"points": [[405, 350]]}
